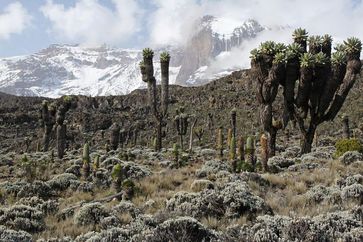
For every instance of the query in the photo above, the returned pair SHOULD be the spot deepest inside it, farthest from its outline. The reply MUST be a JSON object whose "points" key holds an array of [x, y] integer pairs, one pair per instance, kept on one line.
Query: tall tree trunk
{"points": [[272, 142], [159, 135], [191, 135], [266, 119], [181, 142], [307, 140], [46, 137], [61, 140], [346, 130]]}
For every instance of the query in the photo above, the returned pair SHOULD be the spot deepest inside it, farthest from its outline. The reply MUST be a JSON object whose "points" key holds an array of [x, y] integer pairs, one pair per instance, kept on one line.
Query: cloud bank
{"points": [[13, 20], [90, 22], [340, 18], [163, 22]]}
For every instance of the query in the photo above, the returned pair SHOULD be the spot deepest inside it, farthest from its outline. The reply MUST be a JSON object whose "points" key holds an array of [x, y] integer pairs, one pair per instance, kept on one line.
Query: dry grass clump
{"points": [[72, 198], [163, 185], [223, 223], [286, 196], [61, 228]]}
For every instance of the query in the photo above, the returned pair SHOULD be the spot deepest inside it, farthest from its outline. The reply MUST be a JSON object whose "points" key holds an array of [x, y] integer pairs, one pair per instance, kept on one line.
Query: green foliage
{"points": [[258, 167], [338, 58], [250, 146], [268, 48], [326, 39], [148, 53], [307, 60], [164, 57], [340, 48], [29, 168], [293, 50], [344, 145], [126, 156], [244, 166], [321, 59], [279, 58], [85, 157], [67, 99], [300, 34], [96, 163], [116, 173], [255, 54], [184, 160], [353, 45], [280, 48], [315, 40], [128, 184]]}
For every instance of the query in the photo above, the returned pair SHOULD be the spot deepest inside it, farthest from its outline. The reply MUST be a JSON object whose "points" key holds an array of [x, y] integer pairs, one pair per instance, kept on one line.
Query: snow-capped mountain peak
{"points": [[71, 69], [80, 70]]}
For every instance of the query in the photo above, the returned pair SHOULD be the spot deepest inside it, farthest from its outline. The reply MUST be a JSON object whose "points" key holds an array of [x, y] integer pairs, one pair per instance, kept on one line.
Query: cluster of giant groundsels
{"points": [[314, 82]]}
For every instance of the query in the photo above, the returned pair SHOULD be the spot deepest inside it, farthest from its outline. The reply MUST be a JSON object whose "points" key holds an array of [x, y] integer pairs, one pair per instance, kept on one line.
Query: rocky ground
{"points": [[313, 197]]}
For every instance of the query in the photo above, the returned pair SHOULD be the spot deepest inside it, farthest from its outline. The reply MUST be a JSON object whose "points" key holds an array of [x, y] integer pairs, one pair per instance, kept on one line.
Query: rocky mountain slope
{"points": [[91, 117], [76, 70]]}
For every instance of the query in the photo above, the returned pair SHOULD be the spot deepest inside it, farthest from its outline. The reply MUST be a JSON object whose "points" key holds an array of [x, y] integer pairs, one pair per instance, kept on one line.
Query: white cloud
{"points": [[13, 20], [90, 22], [172, 22]]}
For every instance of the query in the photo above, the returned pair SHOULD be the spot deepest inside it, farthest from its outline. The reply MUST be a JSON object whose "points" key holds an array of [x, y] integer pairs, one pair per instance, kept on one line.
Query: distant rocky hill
{"points": [[91, 117]]}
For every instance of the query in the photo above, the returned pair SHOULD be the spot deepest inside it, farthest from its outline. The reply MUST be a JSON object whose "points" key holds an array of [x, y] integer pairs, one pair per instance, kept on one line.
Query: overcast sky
{"points": [[27, 26]]}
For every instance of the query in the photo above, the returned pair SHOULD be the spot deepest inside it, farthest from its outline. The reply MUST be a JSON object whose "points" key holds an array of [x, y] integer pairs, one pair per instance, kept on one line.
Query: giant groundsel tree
{"points": [[159, 106], [315, 81]]}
